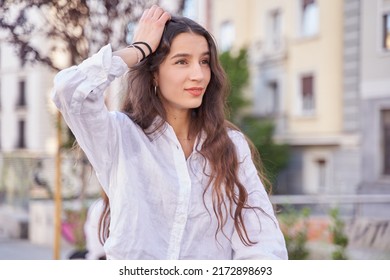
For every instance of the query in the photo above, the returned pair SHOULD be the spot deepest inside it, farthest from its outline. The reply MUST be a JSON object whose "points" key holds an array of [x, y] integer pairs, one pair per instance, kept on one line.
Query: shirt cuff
{"points": [[103, 66]]}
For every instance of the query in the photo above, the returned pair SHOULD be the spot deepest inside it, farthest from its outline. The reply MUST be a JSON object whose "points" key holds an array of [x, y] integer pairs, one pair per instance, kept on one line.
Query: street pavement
{"points": [[23, 249]]}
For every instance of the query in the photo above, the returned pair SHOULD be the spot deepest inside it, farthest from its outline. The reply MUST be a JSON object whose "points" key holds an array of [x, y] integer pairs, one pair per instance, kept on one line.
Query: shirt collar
{"points": [[153, 131]]}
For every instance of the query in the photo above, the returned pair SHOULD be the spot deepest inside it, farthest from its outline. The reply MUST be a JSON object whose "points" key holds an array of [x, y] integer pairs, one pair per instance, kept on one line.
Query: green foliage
{"points": [[236, 68], [340, 239], [294, 224], [274, 156]]}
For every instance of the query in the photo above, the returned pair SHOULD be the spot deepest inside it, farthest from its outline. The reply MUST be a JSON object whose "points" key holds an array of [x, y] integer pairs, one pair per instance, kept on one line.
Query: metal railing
{"points": [[331, 199], [351, 205]]}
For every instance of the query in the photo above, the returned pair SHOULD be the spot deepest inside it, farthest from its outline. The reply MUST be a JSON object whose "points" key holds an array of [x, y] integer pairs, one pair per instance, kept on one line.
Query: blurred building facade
{"points": [[375, 97], [296, 50], [26, 122], [28, 146], [319, 69], [27, 125], [27, 138]]}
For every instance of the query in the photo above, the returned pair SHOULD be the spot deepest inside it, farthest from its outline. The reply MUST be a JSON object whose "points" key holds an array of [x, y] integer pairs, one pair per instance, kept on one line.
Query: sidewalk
{"points": [[22, 249]]}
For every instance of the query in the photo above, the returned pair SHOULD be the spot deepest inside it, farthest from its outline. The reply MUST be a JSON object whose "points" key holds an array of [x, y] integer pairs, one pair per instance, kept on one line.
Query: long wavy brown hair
{"points": [[142, 105]]}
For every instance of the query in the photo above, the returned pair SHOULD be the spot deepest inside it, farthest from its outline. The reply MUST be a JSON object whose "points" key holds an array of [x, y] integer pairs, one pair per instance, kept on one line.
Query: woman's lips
{"points": [[195, 91]]}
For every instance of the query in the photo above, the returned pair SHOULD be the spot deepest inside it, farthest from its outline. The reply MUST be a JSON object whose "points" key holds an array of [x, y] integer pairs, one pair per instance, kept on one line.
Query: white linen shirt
{"points": [[155, 193]]}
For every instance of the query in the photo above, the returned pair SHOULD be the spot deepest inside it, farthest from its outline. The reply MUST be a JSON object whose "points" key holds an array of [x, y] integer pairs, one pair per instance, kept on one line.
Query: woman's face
{"points": [[183, 76]]}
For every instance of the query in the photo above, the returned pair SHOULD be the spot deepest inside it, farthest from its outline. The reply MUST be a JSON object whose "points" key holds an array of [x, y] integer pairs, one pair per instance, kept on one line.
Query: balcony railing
{"points": [[269, 50]]}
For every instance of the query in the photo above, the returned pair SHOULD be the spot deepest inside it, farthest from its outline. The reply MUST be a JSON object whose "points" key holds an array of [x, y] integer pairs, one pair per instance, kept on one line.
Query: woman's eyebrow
{"points": [[188, 55]]}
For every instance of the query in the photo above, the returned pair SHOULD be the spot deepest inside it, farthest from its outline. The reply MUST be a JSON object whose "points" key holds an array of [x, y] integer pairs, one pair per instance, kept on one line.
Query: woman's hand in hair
{"points": [[150, 28]]}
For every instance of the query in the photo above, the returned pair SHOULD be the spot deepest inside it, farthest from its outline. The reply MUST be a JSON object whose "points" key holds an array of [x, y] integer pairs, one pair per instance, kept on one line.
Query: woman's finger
{"points": [[164, 18], [151, 27], [144, 14], [152, 10], [157, 13]]}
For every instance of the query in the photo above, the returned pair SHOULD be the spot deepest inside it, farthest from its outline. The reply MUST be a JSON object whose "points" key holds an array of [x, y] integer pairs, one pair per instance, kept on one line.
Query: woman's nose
{"points": [[196, 72]]}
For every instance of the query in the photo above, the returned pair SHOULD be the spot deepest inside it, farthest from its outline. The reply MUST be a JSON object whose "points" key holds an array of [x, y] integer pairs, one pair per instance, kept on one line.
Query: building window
{"points": [[321, 166], [386, 32], [307, 94], [21, 134], [227, 35], [309, 17], [273, 97], [22, 94], [385, 116]]}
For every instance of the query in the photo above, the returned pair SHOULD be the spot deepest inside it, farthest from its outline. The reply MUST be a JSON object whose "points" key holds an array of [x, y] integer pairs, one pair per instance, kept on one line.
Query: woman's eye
{"points": [[205, 61], [182, 61]]}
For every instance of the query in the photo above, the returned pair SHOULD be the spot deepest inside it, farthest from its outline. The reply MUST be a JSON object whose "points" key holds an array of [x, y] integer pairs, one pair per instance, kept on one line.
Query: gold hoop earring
{"points": [[155, 90]]}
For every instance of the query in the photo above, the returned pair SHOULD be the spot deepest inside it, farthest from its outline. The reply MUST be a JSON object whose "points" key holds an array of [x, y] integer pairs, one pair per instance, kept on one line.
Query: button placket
{"points": [[183, 199]]}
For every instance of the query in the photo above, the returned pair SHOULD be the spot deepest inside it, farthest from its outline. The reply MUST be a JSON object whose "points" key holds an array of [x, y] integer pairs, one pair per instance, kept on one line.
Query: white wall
{"points": [[40, 120]]}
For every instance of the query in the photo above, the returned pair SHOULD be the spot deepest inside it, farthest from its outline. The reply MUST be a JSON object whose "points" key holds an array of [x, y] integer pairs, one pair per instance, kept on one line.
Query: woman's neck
{"points": [[180, 122]]}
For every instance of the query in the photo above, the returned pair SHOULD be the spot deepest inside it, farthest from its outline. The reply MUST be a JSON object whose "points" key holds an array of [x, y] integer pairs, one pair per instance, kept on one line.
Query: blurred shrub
{"points": [[294, 225], [339, 238]]}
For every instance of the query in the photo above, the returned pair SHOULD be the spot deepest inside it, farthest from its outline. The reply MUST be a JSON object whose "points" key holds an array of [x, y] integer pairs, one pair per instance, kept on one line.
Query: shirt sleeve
{"points": [[79, 94], [261, 224]]}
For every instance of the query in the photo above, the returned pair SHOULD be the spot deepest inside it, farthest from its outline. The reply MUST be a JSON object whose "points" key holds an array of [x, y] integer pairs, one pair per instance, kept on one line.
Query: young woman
{"points": [[180, 179]]}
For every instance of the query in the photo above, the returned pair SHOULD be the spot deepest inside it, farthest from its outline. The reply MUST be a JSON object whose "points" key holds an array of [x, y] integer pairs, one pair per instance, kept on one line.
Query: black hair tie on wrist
{"points": [[146, 44], [141, 50]]}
